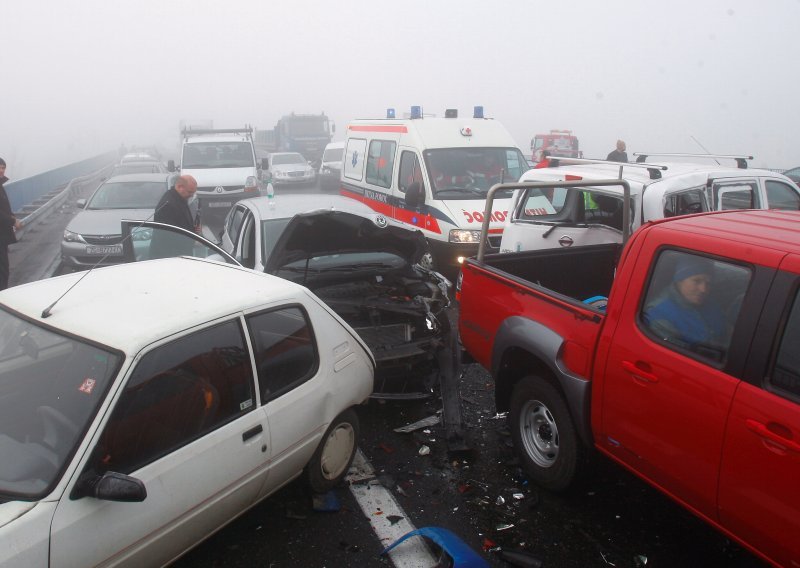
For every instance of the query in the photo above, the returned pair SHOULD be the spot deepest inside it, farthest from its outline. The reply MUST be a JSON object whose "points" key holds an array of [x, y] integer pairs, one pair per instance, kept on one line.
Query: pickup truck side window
{"points": [[782, 196], [380, 162], [692, 303], [785, 374], [285, 350], [686, 203], [177, 393], [736, 195]]}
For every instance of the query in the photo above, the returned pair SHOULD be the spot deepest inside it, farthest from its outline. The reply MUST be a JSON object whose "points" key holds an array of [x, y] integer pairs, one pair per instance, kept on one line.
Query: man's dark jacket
{"points": [[617, 156], [174, 210], [7, 219]]}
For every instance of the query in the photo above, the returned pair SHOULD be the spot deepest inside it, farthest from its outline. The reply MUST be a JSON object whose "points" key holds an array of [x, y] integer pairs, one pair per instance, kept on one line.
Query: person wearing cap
{"points": [[618, 155], [686, 314], [8, 224]]}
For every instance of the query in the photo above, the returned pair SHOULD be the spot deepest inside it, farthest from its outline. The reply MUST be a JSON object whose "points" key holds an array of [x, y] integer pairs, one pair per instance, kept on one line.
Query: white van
{"points": [[433, 174], [223, 161], [330, 169]]}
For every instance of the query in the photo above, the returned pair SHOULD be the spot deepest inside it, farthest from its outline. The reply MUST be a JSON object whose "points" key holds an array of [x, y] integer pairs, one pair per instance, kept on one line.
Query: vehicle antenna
{"points": [[703, 147], [48, 309]]}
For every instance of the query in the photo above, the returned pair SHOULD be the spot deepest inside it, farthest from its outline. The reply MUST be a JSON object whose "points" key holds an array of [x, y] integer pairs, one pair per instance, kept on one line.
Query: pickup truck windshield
{"points": [[51, 386], [571, 206], [205, 155], [468, 173]]}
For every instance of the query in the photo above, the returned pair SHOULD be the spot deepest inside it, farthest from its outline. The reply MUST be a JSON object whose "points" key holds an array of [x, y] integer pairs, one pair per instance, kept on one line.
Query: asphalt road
{"points": [[611, 519]]}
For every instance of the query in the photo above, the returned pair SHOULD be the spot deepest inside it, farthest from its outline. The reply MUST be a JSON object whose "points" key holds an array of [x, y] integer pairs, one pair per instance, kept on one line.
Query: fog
{"points": [[80, 78]]}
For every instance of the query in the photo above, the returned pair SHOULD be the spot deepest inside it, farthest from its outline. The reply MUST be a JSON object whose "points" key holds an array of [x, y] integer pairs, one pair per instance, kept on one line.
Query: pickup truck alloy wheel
{"points": [[543, 432], [335, 453]]}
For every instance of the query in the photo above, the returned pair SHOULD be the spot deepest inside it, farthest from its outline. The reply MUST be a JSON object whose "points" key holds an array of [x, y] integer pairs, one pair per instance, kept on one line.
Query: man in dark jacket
{"points": [[173, 209], [8, 224], [618, 155]]}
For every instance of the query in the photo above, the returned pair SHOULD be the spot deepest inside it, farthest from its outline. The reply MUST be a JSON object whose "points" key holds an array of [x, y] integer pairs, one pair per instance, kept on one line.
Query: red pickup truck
{"points": [[688, 374]]}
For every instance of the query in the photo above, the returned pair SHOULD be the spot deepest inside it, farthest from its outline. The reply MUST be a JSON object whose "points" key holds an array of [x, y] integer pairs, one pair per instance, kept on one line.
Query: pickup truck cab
{"points": [[695, 388], [569, 217]]}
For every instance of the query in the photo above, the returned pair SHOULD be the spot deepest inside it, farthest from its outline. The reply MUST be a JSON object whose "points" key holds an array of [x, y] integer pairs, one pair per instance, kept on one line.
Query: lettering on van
{"points": [[376, 196], [477, 216]]}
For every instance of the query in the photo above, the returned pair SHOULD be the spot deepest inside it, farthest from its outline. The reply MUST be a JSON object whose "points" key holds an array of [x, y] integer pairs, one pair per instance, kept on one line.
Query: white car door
{"points": [[187, 424]]}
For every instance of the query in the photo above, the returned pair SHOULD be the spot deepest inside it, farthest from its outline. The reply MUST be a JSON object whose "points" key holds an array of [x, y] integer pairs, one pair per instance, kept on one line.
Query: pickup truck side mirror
{"points": [[171, 165], [415, 194]]}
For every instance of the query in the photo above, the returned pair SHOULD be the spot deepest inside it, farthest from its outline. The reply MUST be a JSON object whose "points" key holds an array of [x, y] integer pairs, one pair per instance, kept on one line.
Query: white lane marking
{"points": [[374, 498]]}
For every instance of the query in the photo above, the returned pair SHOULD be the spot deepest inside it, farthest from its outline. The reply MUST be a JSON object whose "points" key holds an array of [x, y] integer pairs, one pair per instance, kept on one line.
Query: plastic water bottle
{"points": [[271, 195]]}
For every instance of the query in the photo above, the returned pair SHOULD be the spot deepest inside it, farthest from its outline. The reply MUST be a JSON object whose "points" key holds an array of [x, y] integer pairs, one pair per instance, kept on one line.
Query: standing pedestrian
{"points": [[8, 224], [173, 209], [618, 155]]}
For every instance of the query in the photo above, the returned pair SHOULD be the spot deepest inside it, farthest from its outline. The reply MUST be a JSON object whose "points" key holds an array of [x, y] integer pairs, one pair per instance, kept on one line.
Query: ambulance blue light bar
{"points": [[416, 112], [478, 112], [389, 113]]}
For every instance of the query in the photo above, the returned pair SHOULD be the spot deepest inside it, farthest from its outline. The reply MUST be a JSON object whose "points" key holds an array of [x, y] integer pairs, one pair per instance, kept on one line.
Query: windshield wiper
{"points": [[554, 224], [472, 190]]}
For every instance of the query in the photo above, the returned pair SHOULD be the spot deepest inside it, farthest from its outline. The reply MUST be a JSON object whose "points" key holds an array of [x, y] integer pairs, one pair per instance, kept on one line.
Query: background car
{"points": [[366, 269], [793, 174], [330, 169], [137, 419], [137, 157], [290, 168], [138, 168], [94, 236]]}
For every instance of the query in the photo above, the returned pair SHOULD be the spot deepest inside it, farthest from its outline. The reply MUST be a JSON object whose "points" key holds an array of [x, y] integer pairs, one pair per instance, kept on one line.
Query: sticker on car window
{"points": [[87, 386], [246, 404]]}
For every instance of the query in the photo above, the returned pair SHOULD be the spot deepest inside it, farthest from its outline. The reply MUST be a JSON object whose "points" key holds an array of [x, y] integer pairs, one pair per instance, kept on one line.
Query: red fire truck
{"points": [[560, 143]]}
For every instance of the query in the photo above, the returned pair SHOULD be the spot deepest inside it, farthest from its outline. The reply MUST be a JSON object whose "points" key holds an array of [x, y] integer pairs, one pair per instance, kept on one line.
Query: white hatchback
{"points": [[140, 412]]}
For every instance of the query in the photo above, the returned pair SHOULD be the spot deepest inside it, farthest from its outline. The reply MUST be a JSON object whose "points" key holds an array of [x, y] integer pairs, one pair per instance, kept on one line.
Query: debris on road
{"points": [[326, 502], [462, 556], [424, 423]]}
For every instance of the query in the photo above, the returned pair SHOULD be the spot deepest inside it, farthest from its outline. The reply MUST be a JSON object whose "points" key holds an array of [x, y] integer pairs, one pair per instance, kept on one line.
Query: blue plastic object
{"points": [[599, 302], [461, 554], [478, 112]]}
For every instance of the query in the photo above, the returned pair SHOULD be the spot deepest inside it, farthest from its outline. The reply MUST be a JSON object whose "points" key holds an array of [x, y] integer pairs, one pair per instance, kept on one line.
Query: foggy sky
{"points": [[82, 77]]}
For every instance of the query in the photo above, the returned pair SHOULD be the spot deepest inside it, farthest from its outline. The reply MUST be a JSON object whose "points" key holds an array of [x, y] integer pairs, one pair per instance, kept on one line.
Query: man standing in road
{"points": [[8, 224], [618, 155], [173, 209]]}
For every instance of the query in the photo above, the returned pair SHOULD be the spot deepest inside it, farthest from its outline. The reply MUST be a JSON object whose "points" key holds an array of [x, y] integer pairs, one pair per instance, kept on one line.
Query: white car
{"points": [[290, 169], [330, 169], [141, 411], [566, 217]]}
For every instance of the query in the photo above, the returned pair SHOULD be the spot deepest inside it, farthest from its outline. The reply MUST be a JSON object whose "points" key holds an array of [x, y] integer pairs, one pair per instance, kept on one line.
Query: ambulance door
{"points": [[410, 172]]}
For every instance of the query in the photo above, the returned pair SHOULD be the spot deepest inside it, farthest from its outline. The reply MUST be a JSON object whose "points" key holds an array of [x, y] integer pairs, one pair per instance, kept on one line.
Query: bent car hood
{"points": [[320, 233], [106, 221]]}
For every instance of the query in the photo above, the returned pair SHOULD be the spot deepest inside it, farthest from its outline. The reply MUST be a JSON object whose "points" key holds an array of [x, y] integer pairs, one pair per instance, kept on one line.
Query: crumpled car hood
{"points": [[326, 232]]}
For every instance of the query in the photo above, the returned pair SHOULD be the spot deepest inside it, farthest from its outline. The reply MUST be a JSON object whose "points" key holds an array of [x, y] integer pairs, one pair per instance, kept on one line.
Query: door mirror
{"points": [[171, 165], [113, 486], [81, 203], [415, 195]]}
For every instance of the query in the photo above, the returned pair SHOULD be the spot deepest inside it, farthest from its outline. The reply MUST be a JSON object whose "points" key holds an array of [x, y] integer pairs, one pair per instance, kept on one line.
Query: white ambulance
{"points": [[433, 174]]}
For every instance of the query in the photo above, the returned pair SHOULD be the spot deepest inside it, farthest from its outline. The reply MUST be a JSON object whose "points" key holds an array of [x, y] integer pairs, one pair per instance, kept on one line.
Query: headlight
{"points": [[71, 237], [250, 183], [464, 236]]}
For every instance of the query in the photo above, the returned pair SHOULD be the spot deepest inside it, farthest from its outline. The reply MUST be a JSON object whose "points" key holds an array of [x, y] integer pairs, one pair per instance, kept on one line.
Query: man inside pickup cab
{"points": [[686, 313]]}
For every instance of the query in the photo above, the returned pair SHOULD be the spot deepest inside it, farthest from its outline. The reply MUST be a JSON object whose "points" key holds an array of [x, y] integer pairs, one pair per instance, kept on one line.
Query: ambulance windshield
{"points": [[468, 173]]}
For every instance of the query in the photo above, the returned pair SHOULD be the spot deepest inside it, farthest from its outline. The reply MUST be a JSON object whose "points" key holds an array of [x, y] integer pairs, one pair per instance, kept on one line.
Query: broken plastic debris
{"points": [[500, 500], [386, 447], [394, 519], [461, 554], [488, 544], [499, 416], [429, 421], [504, 527], [424, 450], [326, 502], [640, 560], [518, 496]]}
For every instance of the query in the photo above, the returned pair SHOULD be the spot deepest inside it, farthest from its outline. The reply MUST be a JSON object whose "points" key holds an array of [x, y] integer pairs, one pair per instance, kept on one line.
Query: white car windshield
{"points": [[51, 386], [333, 155], [571, 206], [469, 173], [127, 195], [205, 155]]}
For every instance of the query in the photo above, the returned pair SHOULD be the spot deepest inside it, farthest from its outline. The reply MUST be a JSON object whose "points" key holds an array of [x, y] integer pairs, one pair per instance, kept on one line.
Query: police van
{"points": [[433, 174]]}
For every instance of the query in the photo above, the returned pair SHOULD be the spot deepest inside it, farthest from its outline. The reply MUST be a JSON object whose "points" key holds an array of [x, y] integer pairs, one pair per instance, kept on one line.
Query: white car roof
{"points": [[289, 205], [334, 145], [128, 306], [679, 174]]}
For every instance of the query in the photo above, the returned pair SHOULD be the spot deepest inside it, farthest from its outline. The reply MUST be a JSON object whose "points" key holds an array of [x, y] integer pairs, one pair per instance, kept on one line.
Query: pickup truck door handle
{"points": [[252, 432], [773, 437], [639, 373]]}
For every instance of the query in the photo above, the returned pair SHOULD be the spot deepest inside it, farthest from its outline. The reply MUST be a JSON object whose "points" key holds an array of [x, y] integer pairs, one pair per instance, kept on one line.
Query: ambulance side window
{"points": [[380, 162], [410, 171]]}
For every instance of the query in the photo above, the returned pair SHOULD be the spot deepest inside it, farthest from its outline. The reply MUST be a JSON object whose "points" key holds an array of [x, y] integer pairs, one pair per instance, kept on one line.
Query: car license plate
{"points": [[219, 204], [106, 249]]}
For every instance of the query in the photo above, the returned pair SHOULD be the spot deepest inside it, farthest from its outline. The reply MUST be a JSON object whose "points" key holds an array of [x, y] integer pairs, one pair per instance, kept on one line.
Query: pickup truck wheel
{"points": [[543, 433], [335, 453]]}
